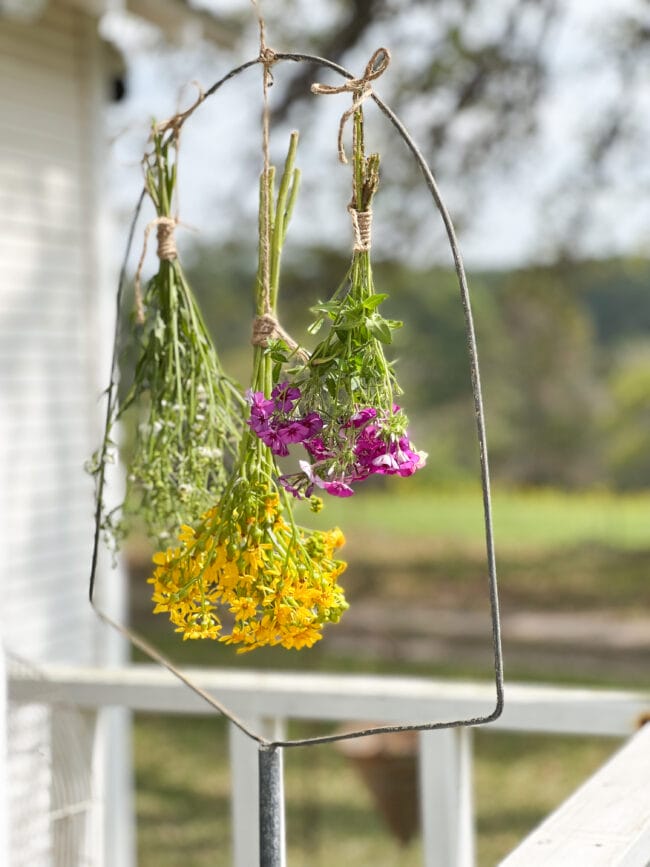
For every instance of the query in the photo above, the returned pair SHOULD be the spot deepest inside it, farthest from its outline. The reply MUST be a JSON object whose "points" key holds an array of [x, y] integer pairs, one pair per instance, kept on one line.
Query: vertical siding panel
{"points": [[51, 357], [47, 385]]}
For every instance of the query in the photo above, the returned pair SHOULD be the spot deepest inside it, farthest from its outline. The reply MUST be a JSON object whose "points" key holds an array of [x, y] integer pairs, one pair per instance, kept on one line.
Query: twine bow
{"points": [[359, 87]]}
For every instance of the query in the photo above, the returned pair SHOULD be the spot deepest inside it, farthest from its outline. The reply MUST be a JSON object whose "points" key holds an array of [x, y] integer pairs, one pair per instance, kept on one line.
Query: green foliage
{"points": [[628, 419], [348, 364], [552, 410], [615, 294]]}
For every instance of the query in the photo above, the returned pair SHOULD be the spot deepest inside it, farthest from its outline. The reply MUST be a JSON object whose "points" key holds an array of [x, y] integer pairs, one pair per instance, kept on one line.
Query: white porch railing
{"points": [[271, 699], [605, 822]]}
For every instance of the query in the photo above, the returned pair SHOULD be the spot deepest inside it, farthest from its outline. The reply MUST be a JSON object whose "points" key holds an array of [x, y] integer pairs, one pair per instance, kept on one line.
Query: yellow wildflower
{"points": [[279, 583]]}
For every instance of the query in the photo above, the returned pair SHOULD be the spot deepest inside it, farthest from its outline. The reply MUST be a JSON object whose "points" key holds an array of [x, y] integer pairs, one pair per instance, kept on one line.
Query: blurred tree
{"points": [[553, 415], [475, 80], [489, 91], [628, 419], [616, 294], [483, 74]]}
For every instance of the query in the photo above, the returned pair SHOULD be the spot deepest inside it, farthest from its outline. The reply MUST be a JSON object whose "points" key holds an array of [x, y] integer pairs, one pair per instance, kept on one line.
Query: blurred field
{"points": [[523, 520], [556, 552]]}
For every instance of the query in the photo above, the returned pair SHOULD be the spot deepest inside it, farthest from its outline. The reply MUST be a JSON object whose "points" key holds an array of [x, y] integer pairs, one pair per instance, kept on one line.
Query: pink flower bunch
{"points": [[387, 456], [271, 419], [343, 452]]}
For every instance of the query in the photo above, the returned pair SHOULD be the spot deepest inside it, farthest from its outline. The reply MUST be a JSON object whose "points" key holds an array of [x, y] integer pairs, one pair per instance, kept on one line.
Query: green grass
{"points": [[522, 519]]}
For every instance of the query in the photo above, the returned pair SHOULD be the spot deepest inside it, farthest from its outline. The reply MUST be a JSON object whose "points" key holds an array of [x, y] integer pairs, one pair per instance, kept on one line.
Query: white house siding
{"points": [[51, 361], [46, 380]]}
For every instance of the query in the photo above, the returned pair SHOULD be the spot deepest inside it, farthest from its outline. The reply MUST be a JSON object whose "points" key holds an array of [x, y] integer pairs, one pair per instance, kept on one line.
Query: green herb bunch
{"points": [[189, 413], [340, 403], [348, 367]]}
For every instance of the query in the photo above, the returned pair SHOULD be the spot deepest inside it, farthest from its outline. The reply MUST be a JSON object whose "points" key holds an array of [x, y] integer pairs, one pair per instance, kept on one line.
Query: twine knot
{"points": [[267, 56], [173, 124], [362, 227], [359, 87], [266, 327], [166, 250]]}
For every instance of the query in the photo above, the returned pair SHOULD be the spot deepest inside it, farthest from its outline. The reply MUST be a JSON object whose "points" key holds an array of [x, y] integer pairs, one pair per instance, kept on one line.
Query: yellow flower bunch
{"points": [[266, 580]]}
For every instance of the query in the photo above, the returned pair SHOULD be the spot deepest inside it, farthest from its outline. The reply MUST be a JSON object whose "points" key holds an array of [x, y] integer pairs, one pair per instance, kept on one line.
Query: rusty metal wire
{"points": [[111, 392]]}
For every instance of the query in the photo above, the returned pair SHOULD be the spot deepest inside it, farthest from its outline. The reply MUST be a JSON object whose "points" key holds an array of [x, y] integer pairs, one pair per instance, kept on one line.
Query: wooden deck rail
{"points": [[605, 823]]}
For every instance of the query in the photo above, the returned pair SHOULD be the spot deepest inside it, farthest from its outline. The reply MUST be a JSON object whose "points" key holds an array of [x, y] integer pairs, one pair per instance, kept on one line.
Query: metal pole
{"points": [[272, 843]]}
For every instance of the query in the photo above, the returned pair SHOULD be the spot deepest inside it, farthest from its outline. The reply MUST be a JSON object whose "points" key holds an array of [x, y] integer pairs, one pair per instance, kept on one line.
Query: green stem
{"points": [[280, 221], [359, 158]]}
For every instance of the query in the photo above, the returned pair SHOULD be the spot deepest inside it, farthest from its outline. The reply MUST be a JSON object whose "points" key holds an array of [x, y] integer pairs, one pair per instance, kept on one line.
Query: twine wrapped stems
{"points": [[365, 172]]}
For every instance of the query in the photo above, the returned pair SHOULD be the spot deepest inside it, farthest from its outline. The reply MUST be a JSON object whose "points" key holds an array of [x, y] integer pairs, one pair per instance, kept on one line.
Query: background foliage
{"points": [[564, 353]]}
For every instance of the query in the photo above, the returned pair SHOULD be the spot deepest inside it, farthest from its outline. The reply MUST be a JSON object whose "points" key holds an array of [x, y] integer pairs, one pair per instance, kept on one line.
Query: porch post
{"points": [[446, 797]]}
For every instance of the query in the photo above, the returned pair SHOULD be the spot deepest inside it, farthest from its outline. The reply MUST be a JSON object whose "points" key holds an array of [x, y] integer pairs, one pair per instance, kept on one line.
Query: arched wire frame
{"points": [[265, 743]]}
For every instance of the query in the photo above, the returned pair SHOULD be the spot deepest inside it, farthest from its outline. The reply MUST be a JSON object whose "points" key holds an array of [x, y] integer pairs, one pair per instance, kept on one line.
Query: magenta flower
{"points": [[274, 441], [342, 451], [261, 410], [337, 489], [360, 418], [285, 395], [271, 418], [297, 485], [294, 431], [313, 422], [385, 464], [409, 459], [317, 449], [259, 404], [369, 446]]}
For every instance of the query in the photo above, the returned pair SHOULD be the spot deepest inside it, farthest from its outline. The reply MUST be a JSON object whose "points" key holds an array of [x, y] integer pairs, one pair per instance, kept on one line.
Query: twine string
{"points": [[360, 88], [166, 252], [175, 122], [362, 228], [265, 325]]}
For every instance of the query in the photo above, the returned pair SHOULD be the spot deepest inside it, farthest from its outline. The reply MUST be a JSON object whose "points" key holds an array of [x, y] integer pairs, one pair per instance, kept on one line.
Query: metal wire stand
{"points": [[271, 799]]}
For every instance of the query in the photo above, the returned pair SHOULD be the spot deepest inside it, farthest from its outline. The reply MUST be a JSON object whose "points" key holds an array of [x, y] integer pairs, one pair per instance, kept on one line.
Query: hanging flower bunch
{"points": [[247, 574], [248, 563], [340, 405], [188, 413]]}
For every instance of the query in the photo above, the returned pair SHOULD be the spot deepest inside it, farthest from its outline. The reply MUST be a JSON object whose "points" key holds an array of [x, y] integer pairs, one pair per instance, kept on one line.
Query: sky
{"points": [[514, 212]]}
